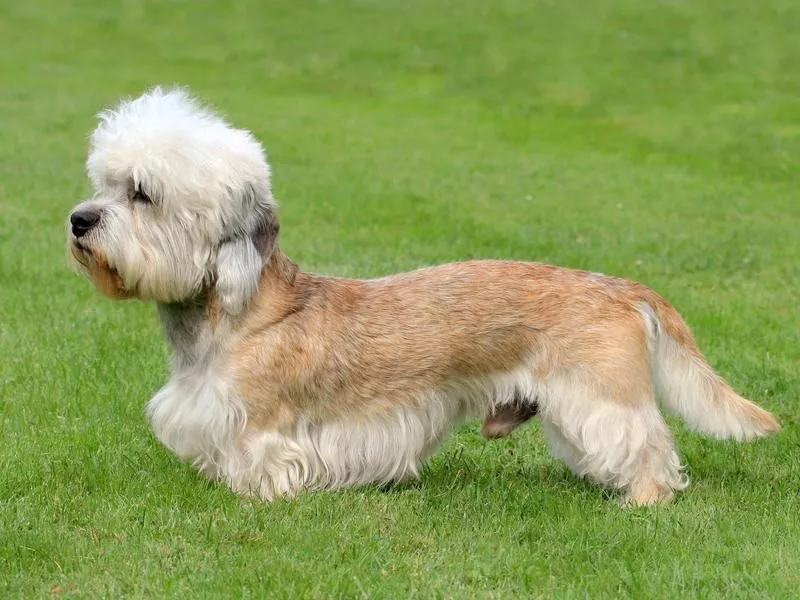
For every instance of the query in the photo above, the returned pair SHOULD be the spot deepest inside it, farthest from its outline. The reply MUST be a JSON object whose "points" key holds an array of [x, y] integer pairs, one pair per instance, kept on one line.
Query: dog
{"points": [[283, 381]]}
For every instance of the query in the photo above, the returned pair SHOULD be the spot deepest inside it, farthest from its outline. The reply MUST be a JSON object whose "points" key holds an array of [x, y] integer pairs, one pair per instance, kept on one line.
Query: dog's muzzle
{"points": [[83, 221]]}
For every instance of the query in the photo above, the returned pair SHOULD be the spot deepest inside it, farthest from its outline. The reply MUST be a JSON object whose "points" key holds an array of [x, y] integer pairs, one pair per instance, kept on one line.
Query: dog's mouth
{"points": [[82, 254], [96, 266], [76, 243]]}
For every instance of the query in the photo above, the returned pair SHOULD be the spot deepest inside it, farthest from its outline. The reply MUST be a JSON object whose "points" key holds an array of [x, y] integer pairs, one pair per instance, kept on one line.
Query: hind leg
{"points": [[656, 472], [620, 444]]}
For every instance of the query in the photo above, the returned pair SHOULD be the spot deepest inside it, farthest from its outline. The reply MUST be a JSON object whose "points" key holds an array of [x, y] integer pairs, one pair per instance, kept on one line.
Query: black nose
{"points": [[83, 221]]}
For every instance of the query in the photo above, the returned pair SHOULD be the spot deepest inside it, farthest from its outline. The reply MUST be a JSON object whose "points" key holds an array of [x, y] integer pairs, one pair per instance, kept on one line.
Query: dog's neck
{"points": [[189, 332], [198, 330]]}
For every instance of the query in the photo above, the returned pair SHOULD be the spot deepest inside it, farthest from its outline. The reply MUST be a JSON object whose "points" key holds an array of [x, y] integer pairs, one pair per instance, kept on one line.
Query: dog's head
{"points": [[182, 203]]}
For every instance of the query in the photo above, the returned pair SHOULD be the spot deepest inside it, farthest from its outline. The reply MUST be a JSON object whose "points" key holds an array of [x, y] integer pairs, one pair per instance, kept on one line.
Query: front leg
{"points": [[270, 465]]}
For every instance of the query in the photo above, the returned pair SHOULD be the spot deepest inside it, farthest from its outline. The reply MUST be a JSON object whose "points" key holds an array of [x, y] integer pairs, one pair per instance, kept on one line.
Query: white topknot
{"points": [[170, 136]]}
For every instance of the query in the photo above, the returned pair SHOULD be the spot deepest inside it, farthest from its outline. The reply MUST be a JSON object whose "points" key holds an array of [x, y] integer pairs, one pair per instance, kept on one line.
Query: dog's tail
{"points": [[688, 386]]}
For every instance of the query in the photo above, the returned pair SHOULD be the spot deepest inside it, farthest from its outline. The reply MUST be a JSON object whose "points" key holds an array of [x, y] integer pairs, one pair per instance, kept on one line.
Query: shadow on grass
{"points": [[514, 476]]}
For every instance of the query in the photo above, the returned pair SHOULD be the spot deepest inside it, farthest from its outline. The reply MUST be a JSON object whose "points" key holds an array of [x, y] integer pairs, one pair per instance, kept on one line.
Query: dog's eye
{"points": [[140, 196]]}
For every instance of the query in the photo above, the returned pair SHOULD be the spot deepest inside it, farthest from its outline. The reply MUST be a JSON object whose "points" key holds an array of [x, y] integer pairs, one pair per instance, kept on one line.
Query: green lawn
{"points": [[654, 140]]}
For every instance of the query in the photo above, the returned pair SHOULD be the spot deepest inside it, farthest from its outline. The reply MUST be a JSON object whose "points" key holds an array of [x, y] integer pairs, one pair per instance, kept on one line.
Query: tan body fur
{"points": [[326, 346]]}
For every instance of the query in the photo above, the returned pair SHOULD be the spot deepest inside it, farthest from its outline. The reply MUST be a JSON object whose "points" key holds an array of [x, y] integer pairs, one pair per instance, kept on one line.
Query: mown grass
{"points": [[658, 141]]}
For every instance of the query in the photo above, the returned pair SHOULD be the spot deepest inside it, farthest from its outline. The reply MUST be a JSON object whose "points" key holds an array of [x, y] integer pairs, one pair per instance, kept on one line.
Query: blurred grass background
{"points": [[657, 141]]}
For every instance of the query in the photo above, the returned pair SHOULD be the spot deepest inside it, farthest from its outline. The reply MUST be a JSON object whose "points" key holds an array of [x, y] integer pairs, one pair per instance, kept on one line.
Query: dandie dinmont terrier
{"points": [[284, 381]]}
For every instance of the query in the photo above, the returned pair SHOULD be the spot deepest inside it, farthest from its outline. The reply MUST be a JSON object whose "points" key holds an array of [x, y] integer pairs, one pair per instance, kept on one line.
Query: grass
{"points": [[658, 141]]}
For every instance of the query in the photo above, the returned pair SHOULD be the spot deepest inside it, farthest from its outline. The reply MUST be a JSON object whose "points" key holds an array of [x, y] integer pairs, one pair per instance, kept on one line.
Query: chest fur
{"points": [[196, 414]]}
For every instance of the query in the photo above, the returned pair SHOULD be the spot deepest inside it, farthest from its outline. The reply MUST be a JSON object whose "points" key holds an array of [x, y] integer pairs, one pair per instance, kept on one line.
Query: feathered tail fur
{"points": [[688, 386]]}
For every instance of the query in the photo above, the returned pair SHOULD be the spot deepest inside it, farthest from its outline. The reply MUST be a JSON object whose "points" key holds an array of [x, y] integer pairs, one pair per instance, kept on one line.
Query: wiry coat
{"points": [[283, 380]]}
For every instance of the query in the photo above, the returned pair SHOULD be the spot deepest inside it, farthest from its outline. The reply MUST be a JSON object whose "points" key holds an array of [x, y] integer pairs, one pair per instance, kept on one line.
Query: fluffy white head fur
{"points": [[181, 195]]}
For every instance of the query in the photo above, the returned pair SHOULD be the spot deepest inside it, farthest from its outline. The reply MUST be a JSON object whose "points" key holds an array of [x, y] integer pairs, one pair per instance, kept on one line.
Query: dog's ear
{"points": [[241, 260]]}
